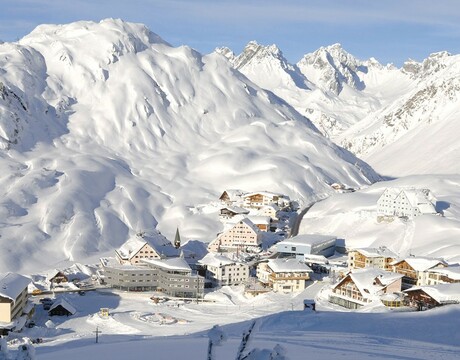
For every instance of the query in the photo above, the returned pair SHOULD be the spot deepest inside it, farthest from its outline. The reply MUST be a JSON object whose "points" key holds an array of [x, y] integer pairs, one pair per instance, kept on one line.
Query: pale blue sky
{"points": [[389, 30]]}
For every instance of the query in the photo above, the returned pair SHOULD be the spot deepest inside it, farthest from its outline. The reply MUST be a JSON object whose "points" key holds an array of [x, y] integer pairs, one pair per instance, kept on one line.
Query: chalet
{"points": [[230, 197], [229, 212], [13, 296], [380, 258], [284, 275], [56, 277], [443, 275], [258, 200], [244, 235], [408, 203], [145, 247], [415, 270], [307, 244], [430, 296], [364, 286], [222, 271], [61, 308], [271, 210], [262, 222]]}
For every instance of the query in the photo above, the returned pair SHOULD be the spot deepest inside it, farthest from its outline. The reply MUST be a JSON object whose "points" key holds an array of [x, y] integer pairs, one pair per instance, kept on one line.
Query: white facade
{"points": [[408, 203], [284, 275], [222, 271], [242, 235]]}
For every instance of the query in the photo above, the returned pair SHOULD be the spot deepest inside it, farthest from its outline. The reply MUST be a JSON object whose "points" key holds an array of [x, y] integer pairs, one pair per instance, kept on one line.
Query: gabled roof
{"points": [[233, 194], [377, 252], [52, 274], [12, 284], [260, 219], [217, 260], [249, 223], [441, 293], [370, 281], [265, 193], [421, 263], [392, 192], [452, 272], [236, 209], [308, 239], [62, 302], [157, 241], [288, 265], [419, 198]]}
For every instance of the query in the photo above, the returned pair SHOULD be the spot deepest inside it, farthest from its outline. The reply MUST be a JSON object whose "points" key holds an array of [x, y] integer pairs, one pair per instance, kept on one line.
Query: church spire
{"points": [[177, 239]]}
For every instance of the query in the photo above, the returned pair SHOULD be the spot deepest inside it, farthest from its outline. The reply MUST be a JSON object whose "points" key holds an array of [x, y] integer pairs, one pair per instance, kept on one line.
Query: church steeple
{"points": [[177, 239]]}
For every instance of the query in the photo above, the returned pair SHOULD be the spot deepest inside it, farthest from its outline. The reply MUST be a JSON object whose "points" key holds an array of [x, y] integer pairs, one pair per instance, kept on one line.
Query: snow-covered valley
{"points": [[108, 132]]}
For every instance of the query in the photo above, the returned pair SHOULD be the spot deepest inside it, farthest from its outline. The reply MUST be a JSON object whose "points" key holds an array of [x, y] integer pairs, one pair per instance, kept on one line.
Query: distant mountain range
{"points": [[106, 130], [402, 121]]}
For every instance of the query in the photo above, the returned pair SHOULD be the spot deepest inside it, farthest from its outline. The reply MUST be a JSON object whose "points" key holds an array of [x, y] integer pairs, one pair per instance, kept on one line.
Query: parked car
{"points": [[30, 324]]}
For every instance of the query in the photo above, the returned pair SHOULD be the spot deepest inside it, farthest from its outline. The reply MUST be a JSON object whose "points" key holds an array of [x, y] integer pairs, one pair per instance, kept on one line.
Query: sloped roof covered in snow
{"points": [[261, 220], [235, 209], [308, 239], [157, 241], [233, 194], [370, 281], [266, 193], [421, 263], [419, 198], [441, 293], [377, 252], [12, 284], [52, 274], [452, 272], [288, 265], [249, 223], [62, 302], [217, 260]]}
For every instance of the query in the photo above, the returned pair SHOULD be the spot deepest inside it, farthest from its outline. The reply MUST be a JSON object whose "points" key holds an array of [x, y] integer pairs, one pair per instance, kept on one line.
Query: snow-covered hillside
{"points": [[352, 218], [420, 128], [106, 130], [329, 86], [380, 113]]}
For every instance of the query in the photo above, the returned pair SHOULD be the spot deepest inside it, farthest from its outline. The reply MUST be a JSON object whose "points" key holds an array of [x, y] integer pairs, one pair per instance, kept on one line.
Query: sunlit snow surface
{"points": [[135, 329], [107, 130], [353, 219]]}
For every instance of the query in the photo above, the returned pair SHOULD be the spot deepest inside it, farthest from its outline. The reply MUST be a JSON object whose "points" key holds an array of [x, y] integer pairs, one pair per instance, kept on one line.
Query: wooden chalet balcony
{"points": [[288, 276]]}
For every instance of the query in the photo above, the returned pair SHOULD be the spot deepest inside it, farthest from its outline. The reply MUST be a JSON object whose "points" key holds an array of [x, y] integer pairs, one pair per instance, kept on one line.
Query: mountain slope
{"points": [[419, 128], [329, 86], [378, 112], [126, 132]]}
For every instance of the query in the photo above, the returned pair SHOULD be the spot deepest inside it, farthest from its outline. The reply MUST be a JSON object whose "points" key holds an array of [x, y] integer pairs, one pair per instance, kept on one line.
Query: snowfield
{"points": [[352, 217], [106, 131], [280, 320]]}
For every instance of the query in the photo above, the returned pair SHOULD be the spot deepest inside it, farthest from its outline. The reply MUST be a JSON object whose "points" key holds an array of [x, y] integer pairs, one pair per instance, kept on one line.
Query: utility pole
{"points": [[97, 334]]}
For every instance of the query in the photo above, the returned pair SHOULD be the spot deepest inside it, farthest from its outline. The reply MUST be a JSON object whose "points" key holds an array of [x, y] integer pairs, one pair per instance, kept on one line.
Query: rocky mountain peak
{"points": [[336, 67], [255, 52]]}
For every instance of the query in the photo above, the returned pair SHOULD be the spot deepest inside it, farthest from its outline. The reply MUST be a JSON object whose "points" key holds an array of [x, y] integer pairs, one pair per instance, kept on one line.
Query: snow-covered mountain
{"points": [[378, 112], [329, 86], [420, 128], [106, 130]]}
